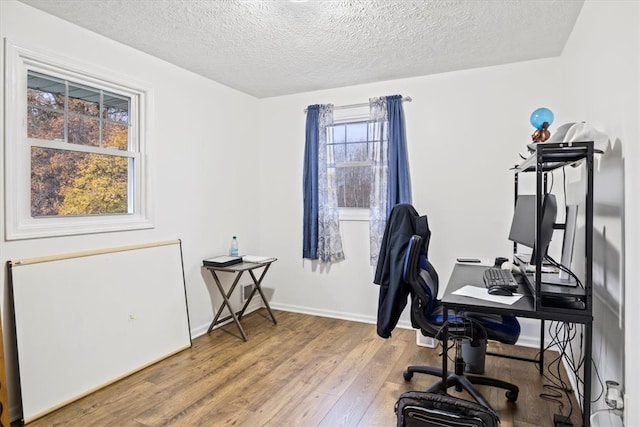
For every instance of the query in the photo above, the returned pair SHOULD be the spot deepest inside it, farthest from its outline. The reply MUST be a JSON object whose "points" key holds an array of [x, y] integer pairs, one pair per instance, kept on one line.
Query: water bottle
{"points": [[233, 249]]}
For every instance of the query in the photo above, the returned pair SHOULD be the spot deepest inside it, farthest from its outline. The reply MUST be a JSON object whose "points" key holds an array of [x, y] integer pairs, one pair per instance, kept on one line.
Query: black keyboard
{"points": [[496, 276]]}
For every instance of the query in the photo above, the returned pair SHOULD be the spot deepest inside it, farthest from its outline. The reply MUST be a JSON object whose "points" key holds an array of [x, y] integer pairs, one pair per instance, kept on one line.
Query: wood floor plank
{"points": [[308, 411], [381, 410], [305, 371], [221, 381], [358, 396], [350, 367]]}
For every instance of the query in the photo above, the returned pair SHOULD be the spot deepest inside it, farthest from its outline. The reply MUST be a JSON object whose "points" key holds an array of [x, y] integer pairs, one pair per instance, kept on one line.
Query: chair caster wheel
{"points": [[407, 375], [512, 396]]}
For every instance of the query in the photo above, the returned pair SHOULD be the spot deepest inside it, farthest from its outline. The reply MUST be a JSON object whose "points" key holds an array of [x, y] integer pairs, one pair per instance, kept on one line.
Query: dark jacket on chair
{"points": [[403, 222]]}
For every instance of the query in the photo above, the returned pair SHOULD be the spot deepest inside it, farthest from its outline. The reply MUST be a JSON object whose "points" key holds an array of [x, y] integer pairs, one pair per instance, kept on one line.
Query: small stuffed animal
{"points": [[542, 134]]}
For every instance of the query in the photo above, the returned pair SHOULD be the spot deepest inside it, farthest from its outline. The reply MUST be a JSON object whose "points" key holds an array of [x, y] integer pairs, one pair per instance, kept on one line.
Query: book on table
{"points": [[222, 261]]}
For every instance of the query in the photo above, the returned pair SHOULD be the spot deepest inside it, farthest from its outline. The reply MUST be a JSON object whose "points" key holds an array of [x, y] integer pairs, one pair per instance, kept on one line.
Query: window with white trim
{"points": [[351, 139], [352, 161], [75, 159]]}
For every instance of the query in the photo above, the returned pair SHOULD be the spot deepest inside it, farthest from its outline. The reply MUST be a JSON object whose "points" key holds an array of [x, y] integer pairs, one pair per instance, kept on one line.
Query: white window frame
{"points": [[360, 114], [19, 224]]}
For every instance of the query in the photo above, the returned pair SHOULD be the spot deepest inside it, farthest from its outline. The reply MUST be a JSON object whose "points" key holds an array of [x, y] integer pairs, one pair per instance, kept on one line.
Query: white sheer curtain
{"points": [[329, 240], [378, 129]]}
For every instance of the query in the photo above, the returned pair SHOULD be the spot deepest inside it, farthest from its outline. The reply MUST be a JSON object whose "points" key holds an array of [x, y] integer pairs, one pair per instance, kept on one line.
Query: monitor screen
{"points": [[523, 225]]}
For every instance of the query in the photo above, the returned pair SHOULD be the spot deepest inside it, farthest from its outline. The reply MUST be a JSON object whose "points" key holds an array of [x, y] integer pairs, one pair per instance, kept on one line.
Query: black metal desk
{"points": [[466, 274], [238, 269]]}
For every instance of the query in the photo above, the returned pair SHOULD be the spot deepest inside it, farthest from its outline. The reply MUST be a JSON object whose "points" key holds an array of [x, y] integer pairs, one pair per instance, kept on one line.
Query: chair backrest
{"points": [[422, 277], [426, 310]]}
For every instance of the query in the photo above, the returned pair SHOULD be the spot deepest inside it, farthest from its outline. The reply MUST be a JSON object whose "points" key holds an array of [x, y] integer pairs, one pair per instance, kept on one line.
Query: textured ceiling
{"points": [[270, 48]]}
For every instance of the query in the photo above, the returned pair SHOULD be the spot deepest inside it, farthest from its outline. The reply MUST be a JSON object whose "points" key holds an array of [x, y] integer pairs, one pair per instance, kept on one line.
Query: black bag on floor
{"points": [[422, 409]]}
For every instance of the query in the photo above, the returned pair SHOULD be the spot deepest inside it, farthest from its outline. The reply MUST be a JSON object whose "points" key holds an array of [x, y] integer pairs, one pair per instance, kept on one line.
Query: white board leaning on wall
{"points": [[85, 320]]}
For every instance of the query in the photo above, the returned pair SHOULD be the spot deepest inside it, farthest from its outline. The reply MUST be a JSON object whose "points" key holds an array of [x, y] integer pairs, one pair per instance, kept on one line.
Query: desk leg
{"points": [[445, 346], [258, 287], [541, 362], [227, 303], [588, 353]]}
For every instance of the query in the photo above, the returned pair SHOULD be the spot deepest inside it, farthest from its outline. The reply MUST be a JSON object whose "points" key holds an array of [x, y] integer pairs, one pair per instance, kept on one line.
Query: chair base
{"points": [[464, 382]]}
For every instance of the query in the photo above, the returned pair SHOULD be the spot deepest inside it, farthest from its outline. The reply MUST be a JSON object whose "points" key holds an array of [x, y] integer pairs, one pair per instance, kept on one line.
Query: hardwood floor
{"points": [[305, 371]]}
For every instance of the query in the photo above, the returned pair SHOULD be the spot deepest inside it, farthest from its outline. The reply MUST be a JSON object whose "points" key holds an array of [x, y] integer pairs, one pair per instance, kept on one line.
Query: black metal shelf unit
{"points": [[547, 157], [573, 305]]}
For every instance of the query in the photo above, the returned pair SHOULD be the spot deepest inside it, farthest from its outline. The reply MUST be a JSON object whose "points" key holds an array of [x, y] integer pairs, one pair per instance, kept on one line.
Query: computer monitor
{"points": [[571, 218], [523, 225]]}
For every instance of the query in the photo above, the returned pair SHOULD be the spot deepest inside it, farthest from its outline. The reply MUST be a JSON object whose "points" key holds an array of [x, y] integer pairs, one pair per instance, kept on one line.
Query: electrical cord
{"points": [[563, 268], [444, 346], [602, 387], [554, 376], [552, 181], [561, 335]]}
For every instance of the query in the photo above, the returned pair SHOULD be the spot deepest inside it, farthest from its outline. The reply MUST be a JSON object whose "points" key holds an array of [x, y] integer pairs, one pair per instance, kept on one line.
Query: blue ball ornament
{"points": [[541, 115]]}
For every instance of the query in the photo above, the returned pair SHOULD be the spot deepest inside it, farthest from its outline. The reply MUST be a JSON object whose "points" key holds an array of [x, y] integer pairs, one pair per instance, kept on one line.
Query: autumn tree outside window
{"points": [[86, 171]]}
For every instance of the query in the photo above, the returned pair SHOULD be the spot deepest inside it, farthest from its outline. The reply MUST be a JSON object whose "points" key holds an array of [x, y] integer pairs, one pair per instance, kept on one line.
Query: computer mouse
{"points": [[499, 290]]}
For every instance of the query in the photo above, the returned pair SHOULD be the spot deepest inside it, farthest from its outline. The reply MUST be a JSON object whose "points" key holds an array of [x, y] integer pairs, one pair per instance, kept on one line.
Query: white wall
{"points": [[202, 153], [225, 163], [464, 131], [601, 83]]}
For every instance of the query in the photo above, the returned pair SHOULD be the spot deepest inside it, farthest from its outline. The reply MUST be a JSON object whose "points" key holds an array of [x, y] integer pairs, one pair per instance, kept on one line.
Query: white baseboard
{"points": [[325, 313], [402, 324]]}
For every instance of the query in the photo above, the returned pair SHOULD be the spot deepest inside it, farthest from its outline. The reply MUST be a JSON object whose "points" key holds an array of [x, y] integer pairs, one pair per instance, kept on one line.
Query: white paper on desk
{"points": [[481, 293]]}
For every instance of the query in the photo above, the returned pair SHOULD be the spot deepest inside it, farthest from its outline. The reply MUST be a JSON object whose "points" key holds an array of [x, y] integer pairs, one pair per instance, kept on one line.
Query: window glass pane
{"points": [[357, 132], [45, 124], [40, 98], [44, 91], [115, 108], [115, 136], [84, 131], [83, 100], [339, 134], [354, 186], [72, 183], [357, 152], [339, 153]]}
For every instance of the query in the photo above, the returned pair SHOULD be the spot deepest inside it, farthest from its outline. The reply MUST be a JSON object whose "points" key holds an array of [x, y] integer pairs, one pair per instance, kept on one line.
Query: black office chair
{"points": [[427, 315]]}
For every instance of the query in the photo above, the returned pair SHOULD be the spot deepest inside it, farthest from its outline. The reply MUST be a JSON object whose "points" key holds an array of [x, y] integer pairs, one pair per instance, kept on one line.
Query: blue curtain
{"points": [[310, 185], [398, 183]]}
